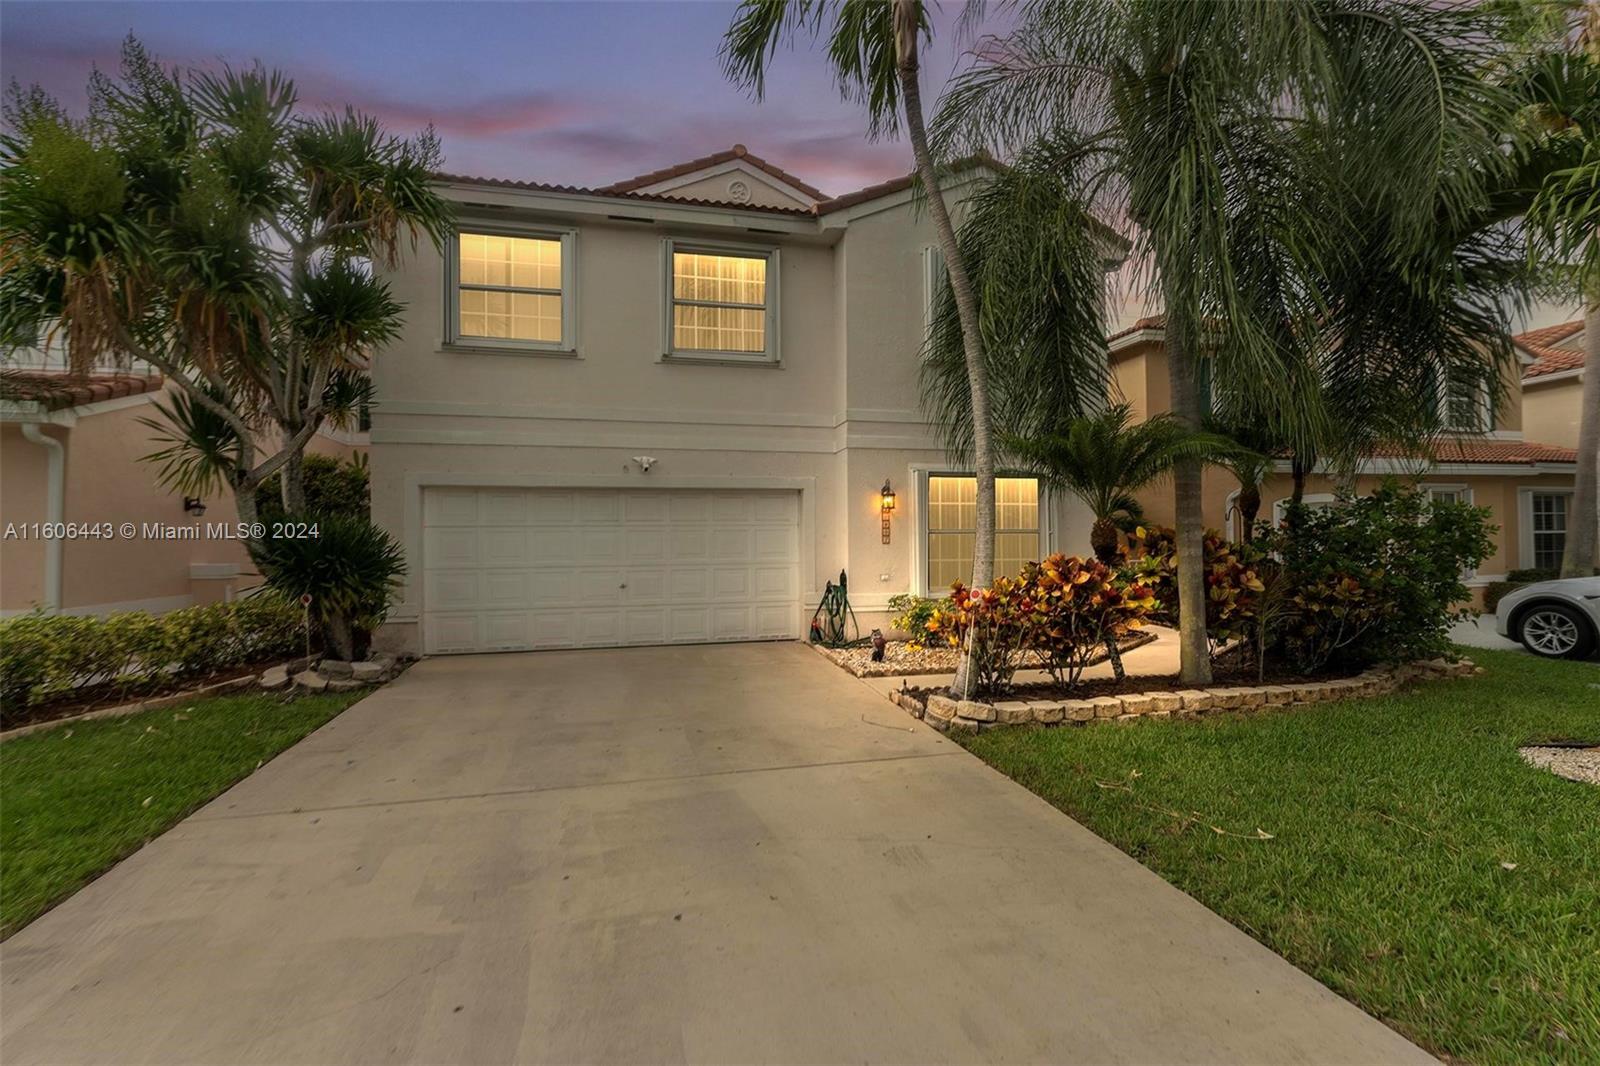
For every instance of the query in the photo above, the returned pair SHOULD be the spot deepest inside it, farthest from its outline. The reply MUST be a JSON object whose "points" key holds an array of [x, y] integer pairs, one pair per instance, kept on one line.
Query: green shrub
{"points": [[1377, 578], [44, 655], [332, 488], [350, 568], [1532, 574], [912, 614]]}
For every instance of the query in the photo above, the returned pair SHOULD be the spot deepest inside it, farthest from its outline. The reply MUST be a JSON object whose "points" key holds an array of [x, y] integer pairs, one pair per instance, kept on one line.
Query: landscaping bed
{"points": [[80, 797], [905, 659], [1395, 848], [114, 693]]}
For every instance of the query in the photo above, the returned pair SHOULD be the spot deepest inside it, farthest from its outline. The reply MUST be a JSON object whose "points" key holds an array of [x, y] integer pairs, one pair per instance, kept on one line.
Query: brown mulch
{"points": [[113, 694], [900, 659]]}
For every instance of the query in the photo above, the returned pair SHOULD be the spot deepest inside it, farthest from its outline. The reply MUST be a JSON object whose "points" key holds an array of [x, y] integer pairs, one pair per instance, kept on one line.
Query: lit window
{"points": [[1549, 514], [510, 291], [722, 303], [953, 527]]}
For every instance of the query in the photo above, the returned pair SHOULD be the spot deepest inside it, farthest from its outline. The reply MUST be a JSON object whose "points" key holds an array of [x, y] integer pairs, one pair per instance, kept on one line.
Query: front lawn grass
{"points": [[76, 799], [1416, 864]]}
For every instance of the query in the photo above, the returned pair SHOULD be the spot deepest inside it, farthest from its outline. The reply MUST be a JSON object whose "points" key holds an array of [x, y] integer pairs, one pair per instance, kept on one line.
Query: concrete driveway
{"points": [[711, 854]]}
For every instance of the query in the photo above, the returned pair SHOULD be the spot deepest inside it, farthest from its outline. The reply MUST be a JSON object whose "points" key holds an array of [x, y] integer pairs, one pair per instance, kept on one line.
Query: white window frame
{"points": [[1484, 407], [671, 353], [920, 473], [1525, 495], [1282, 505], [454, 338], [1465, 492]]}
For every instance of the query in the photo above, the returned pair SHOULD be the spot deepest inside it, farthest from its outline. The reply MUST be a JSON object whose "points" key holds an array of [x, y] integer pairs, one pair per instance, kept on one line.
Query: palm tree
{"points": [[1234, 138], [205, 225], [1104, 459], [1564, 217], [873, 47], [1250, 460]]}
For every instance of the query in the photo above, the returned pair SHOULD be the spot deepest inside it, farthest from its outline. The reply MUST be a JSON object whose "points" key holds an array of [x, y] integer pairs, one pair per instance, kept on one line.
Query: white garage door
{"points": [[517, 569]]}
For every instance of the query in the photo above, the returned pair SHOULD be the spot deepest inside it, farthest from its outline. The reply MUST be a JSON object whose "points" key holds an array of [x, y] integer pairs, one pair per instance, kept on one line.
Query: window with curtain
{"points": [[1549, 514], [719, 302], [953, 527], [509, 289]]}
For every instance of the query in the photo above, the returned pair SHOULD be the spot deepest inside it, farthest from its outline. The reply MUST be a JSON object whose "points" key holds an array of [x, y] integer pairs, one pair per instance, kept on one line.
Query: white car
{"points": [[1556, 619]]}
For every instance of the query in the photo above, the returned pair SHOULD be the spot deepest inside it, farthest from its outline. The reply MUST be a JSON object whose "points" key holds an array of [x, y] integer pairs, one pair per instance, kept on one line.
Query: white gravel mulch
{"points": [[900, 659], [1577, 764]]}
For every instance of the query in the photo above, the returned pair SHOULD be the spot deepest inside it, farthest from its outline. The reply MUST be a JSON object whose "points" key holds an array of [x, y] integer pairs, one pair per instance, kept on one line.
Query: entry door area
{"points": [[515, 569]]}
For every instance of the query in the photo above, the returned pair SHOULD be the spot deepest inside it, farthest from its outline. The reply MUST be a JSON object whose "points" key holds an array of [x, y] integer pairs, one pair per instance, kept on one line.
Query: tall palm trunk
{"points": [[1582, 553], [1194, 652], [905, 41]]}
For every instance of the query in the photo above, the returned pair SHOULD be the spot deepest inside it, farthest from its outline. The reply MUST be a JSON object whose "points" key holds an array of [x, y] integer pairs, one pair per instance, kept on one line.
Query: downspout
{"points": [[55, 510]]}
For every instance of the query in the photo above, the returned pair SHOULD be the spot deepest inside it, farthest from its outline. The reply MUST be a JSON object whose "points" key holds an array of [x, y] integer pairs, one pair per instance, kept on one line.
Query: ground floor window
{"points": [[1548, 527], [953, 527]]}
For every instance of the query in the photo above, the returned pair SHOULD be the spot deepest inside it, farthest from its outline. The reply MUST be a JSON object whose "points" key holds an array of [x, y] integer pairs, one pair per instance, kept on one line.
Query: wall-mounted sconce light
{"points": [[886, 506], [194, 505]]}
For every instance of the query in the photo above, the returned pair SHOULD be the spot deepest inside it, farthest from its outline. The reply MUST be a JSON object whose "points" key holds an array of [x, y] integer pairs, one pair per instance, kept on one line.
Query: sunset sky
{"points": [[585, 93]]}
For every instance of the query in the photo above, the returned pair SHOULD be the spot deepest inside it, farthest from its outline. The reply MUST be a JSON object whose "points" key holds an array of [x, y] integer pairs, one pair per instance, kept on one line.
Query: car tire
{"points": [[1555, 631]]}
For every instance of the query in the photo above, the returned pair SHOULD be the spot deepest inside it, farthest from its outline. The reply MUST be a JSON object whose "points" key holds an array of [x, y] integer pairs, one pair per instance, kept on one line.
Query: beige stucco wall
{"points": [[1552, 411]]}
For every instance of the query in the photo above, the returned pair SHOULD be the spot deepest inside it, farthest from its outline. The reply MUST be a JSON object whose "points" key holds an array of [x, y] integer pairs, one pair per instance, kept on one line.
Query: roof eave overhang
{"points": [[589, 205]]}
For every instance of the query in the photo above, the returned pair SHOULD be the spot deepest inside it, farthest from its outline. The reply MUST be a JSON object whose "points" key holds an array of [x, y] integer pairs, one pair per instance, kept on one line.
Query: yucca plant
{"points": [[350, 570], [205, 224]]}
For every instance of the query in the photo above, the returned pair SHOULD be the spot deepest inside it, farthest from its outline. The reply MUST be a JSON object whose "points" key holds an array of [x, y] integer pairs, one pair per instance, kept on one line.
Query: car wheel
{"points": [[1555, 631]]}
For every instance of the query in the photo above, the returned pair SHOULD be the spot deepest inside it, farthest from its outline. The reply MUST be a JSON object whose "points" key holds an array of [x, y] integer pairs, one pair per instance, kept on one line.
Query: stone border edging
{"points": [[154, 703], [942, 712]]}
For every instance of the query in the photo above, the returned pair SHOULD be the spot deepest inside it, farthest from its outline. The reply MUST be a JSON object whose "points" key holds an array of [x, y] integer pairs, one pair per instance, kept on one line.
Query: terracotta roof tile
{"points": [[738, 151], [57, 391], [1148, 322], [627, 190], [577, 190], [1484, 450], [1554, 349]]}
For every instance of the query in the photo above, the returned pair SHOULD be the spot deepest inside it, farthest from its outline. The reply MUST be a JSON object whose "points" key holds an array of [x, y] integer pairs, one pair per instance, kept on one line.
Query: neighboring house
{"points": [[1552, 384], [70, 450], [665, 411], [1527, 486]]}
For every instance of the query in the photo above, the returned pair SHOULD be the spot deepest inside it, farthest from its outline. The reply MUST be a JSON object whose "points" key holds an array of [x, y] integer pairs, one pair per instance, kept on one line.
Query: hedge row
{"points": [[46, 655]]}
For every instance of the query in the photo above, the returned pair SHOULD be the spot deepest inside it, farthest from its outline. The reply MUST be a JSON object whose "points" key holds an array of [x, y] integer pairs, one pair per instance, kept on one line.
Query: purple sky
{"points": [[585, 93]]}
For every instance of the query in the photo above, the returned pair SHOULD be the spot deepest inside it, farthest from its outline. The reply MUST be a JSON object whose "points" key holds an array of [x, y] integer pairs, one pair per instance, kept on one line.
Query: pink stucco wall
{"points": [[106, 482]]}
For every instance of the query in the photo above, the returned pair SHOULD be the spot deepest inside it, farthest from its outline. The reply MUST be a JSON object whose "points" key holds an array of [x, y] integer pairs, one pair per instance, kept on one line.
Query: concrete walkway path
{"points": [[707, 854]]}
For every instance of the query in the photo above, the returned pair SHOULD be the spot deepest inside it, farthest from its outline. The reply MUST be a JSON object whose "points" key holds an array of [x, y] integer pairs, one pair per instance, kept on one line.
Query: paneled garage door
{"points": [[518, 569]]}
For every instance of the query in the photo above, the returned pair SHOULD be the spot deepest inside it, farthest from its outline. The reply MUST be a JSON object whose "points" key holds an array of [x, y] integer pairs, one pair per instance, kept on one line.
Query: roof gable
{"points": [[734, 176], [1555, 349]]}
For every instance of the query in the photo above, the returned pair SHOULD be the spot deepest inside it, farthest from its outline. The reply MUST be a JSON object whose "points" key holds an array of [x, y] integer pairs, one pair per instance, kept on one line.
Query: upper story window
{"points": [[723, 303], [512, 289]]}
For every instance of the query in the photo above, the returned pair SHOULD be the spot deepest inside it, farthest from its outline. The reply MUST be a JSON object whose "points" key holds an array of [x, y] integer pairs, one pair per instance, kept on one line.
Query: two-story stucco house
{"points": [[669, 410], [1526, 484]]}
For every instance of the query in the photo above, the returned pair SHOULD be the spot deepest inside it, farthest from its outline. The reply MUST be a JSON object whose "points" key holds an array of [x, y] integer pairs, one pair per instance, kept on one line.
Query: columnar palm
{"points": [[202, 224], [873, 47], [1105, 459], [1234, 138]]}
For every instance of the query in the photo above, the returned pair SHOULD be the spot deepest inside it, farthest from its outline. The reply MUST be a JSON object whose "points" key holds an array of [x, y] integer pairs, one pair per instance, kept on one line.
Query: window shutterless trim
{"points": [[671, 353], [455, 340]]}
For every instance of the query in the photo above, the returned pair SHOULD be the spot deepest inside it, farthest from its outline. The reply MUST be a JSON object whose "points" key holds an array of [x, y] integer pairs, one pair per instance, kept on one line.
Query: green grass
{"points": [[76, 799], [1394, 823]]}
